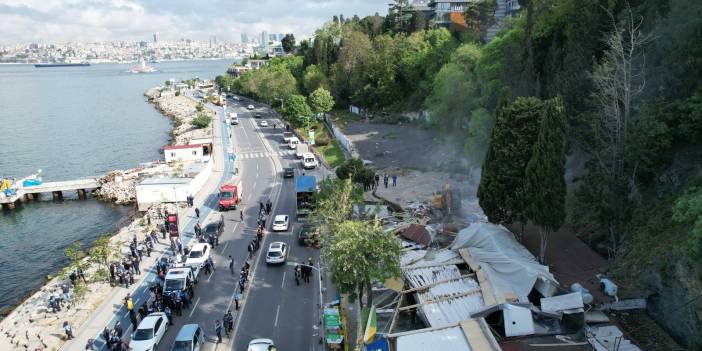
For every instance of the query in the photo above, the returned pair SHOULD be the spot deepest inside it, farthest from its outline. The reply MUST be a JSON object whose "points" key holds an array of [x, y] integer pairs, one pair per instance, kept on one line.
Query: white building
{"points": [[166, 189], [192, 152]]}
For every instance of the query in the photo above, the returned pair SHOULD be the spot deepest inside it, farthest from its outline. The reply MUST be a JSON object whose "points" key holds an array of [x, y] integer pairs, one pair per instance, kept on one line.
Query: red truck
{"points": [[229, 196]]}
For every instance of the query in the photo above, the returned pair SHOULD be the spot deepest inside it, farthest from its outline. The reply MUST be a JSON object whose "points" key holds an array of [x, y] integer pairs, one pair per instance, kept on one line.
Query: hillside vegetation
{"points": [[625, 77]]}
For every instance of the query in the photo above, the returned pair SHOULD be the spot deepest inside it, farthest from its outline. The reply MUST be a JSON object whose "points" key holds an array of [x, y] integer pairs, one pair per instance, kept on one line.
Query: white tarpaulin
{"points": [[510, 269]]}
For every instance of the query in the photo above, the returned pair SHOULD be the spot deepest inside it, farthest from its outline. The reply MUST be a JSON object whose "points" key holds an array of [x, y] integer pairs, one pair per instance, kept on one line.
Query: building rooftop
{"points": [[165, 181], [176, 147]]}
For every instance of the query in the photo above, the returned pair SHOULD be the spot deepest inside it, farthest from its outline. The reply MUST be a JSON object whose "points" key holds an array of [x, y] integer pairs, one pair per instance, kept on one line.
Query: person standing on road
{"points": [[235, 296], [260, 204], [298, 274], [385, 181], [69, 331], [218, 330], [241, 215], [394, 180], [197, 212], [377, 181], [231, 264]]}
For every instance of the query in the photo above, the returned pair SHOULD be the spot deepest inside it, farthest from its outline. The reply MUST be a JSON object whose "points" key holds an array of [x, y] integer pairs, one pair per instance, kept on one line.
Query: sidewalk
{"points": [[112, 309]]}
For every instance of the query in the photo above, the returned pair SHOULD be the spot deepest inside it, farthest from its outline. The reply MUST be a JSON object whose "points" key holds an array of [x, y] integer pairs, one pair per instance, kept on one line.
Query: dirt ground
{"points": [[405, 146]]}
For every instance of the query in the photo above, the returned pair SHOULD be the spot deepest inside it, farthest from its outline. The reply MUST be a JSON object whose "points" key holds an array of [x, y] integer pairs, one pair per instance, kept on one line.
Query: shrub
{"points": [[177, 93], [322, 140], [201, 121]]}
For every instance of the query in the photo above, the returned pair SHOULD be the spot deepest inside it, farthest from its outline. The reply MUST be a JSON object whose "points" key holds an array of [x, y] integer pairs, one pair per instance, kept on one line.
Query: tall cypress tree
{"points": [[545, 185], [501, 191]]}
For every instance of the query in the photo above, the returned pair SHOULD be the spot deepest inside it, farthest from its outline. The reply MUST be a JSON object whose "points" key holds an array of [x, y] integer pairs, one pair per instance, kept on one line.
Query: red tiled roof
{"points": [[175, 147]]}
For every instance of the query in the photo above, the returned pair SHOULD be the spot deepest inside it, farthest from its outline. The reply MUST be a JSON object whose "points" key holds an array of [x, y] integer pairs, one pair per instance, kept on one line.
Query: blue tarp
{"points": [[305, 184], [31, 182], [380, 343]]}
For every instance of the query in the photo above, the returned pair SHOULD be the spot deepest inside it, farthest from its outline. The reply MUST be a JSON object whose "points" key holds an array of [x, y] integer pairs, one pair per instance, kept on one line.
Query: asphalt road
{"points": [[273, 306]]}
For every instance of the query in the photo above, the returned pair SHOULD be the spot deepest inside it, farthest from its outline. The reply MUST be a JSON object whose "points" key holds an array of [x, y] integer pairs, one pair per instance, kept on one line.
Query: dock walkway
{"points": [[56, 188]]}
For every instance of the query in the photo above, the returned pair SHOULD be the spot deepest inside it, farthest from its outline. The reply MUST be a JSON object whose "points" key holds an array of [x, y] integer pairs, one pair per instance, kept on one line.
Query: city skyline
{"points": [[58, 21]]}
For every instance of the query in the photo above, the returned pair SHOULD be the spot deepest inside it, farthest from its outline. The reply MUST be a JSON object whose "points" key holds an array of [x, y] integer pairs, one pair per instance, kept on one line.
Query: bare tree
{"points": [[618, 79]]}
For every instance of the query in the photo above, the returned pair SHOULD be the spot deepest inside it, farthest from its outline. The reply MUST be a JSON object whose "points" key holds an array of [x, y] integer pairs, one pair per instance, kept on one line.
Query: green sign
{"points": [[311, 137]]}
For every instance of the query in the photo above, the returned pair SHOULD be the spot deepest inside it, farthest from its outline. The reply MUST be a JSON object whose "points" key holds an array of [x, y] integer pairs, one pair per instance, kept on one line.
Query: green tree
{"points": [[202, 120], [76, 258], [296, 110], [314, 78], [545, 187], [321, 101], [688, 211], [480, 15], [417, 22], [288, 43], [199, 107], [103, 252], [360, 253], [501, 191]]}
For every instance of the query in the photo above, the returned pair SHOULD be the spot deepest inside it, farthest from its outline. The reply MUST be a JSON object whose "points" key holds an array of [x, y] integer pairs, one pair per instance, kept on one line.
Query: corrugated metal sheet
{"points": [[435, 258], [445, 339], [457, 299], [417, 233]]}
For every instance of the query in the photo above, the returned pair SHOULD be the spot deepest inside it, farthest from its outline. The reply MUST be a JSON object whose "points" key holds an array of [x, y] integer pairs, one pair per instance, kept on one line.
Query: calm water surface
{"points": [[73, 122]]}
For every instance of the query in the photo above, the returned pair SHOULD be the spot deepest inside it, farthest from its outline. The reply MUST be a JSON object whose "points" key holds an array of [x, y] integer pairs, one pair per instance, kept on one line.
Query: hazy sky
{"points": [[97, 20]]}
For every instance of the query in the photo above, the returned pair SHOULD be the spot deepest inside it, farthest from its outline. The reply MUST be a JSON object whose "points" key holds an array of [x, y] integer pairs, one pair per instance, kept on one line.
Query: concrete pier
{"points": [[30, 193]]}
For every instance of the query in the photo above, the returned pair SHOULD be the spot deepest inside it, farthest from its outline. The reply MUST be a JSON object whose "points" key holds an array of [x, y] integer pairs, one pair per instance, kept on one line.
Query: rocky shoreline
{"points": [[30, 325]]}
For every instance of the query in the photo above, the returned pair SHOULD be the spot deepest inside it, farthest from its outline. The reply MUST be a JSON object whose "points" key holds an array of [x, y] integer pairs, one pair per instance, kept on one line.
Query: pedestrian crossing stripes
{"points": [[248, 155]]}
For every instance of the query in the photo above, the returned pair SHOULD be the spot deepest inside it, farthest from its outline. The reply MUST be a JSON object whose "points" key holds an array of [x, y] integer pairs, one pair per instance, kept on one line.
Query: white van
{"points": [[178, 279], [309, 161], [293, 143], [234, 118]]}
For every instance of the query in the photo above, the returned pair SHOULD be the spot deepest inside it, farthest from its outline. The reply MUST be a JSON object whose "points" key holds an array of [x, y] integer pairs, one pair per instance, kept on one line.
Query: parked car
{"points": [[190, 338], [258, 115], [293, 143], [263, 123], [197, 257], [149, 332], [250, 107], [233, 118], [304, 234], [280, 223], [261, 345], [288, 172], [277, 253]]}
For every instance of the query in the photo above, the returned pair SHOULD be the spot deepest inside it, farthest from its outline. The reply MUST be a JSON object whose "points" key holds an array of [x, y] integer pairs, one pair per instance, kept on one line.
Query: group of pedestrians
{"points": [[386, 180], [303, 271], [113, 338]]}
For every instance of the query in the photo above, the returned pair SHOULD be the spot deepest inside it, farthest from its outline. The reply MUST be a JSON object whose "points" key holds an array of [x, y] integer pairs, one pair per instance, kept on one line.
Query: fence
{"points": [[339, 135]]}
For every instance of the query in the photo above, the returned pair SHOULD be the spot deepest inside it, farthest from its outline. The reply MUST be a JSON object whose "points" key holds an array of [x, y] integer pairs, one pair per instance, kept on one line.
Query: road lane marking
{"points": [[211, 274], [277, 311], [282, 284], [194, 307], [225, 245]]}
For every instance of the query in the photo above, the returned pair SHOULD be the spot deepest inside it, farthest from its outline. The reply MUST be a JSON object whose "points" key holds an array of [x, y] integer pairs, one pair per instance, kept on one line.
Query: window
{"points": [[172, 154], [157, 327], [194, 152]]}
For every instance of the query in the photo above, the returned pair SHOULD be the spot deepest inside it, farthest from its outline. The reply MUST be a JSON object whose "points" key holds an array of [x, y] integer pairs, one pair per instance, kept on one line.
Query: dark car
{"points": [[304, 234], [257, 115], [288, 172], [214, 228]]}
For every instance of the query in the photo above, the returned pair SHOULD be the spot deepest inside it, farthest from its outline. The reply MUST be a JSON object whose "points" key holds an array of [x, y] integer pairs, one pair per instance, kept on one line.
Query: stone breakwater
{"points": [[31, 325]]}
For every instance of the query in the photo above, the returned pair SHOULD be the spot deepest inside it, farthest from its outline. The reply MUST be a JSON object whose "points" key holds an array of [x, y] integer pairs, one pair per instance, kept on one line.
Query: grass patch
{"points": [[332, 153]]}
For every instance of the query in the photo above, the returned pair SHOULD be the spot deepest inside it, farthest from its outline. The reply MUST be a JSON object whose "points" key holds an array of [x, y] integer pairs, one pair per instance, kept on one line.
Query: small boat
{"points": [[58, 64]]}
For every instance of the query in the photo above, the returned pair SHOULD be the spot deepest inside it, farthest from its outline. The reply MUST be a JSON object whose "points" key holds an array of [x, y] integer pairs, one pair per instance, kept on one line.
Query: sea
{"points": [[73, 122]]}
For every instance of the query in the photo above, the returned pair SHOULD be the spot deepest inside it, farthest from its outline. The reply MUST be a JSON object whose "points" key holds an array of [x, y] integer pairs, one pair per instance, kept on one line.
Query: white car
{"points": [[309, 161], [250, 107], [280, 223], [263, 123], [149, 332], [277, 252], [293, 143], [197, 257], [260, 345]]}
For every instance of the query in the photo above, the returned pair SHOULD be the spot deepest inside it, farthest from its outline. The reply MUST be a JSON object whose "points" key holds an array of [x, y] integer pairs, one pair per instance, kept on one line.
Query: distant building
{"points": [[264, 38], [156, 37], [244, 38], [272, 37]]}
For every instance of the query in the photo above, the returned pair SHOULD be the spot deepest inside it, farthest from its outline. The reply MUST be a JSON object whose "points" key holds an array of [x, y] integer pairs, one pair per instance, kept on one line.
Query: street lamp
{"points": [[321, 300]]}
